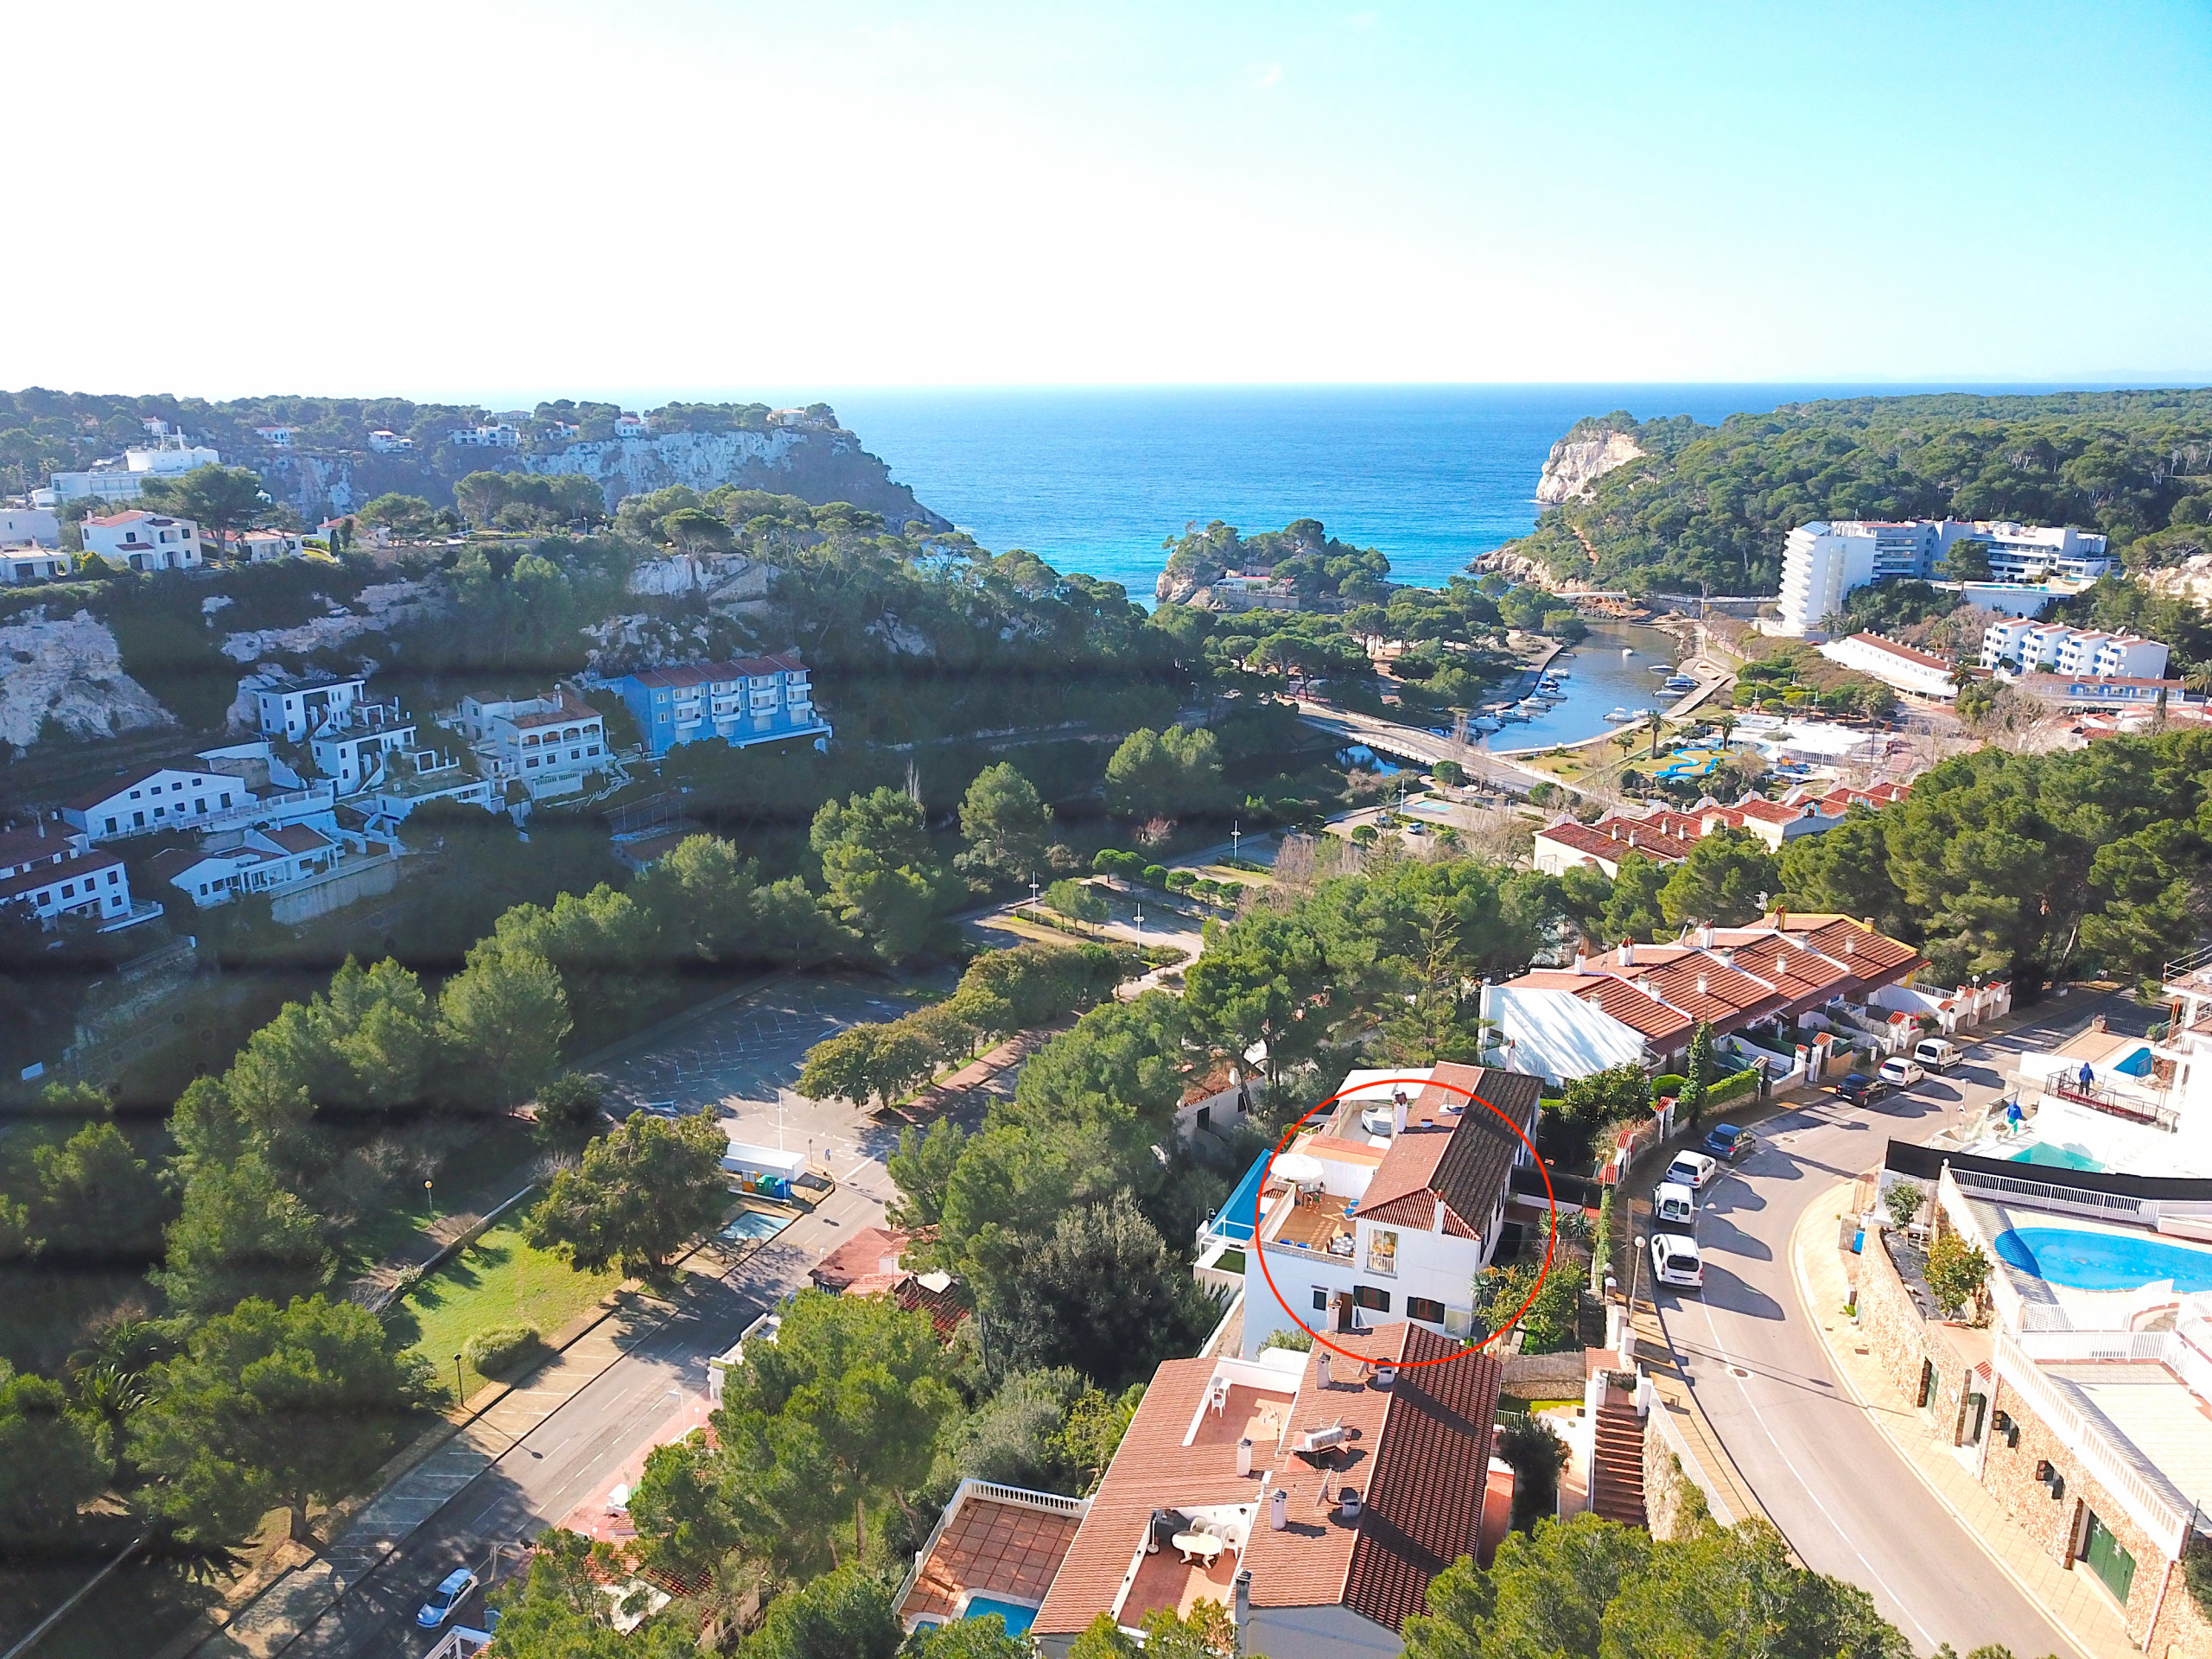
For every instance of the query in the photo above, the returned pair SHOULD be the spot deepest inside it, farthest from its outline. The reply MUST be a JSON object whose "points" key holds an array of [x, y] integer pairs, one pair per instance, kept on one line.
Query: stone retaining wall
{"points": [[1926, 1366]]}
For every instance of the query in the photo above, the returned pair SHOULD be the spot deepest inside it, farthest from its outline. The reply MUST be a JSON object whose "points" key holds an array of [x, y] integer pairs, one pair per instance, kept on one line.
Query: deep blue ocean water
{"points": [[1095, 480]]}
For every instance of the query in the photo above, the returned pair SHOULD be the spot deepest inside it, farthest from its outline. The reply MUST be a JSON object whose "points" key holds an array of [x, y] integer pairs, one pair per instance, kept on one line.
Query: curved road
{"points": [[1848, 1502]]}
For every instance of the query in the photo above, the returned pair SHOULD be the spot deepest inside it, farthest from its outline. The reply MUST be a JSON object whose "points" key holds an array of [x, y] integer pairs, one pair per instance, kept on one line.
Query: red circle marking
{"points": [[1551, 1241]]}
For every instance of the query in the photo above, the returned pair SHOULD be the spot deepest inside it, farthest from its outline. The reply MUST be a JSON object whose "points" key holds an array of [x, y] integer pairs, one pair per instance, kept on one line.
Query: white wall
{"points": [[1556, 1035]]}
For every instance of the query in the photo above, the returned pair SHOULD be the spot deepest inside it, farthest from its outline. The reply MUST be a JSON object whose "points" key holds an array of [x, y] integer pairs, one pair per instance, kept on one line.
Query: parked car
{"points": [[1692, 1169], [1860, 1090], [1936, 1054], [1728, 1143], [1899, 1072], [452, 1591], [1676, 1260], [1673, 1204]]}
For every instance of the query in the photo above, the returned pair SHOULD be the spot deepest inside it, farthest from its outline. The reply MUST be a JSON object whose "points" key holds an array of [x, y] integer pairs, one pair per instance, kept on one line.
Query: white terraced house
{"points": [[296, 712], [55, 874], [244, 861]]}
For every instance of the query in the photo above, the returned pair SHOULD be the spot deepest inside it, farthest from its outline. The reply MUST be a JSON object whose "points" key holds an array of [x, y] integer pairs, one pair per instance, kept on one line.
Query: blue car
{"points": [[1728, 1143], [452, 1591]]}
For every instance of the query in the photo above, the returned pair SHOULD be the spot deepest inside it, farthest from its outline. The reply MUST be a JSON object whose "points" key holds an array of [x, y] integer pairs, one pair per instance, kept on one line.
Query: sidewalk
{"points": [[2076, 1606]]}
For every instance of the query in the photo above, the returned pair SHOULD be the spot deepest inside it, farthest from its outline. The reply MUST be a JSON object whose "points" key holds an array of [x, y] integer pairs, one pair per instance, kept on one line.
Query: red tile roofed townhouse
{"points": [[1356, 1240], [1566, 845], [137, 540], [994, 1547], [867, 1264], [1871, 959], [1804, 978], [1315, 1496]]}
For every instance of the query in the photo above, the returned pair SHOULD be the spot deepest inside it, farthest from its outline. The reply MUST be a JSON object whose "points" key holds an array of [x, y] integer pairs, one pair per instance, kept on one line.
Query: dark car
{"points": [[1728, 1143], [1860, 1090]]}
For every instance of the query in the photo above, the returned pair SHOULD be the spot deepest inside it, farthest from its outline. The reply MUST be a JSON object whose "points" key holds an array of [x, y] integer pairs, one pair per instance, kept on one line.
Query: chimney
{"points": [[1706, 937], [1781, 917], [1243, 1614], [1321, 1378], [1348, 1505], [1439, 1226], [1386, 1373], [1244, 1456], [1851, 944], [1278, 1516], [1628, 953], [1645, 985], [1582, 963], [1704, 986], [1398, 1116]]}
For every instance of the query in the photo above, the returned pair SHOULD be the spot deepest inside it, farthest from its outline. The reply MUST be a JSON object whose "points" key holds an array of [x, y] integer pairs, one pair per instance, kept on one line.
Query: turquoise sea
{"points": [[1095, 480]]}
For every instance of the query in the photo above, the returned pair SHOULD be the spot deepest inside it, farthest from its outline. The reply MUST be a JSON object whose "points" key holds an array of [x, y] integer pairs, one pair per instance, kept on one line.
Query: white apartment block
{"points": [[350, 746], [155, 797], [52, 874], [296, 712], [136, 540], [548, 742], [1920, 673], [1821, 562], [500, 437], [2077, 652]]}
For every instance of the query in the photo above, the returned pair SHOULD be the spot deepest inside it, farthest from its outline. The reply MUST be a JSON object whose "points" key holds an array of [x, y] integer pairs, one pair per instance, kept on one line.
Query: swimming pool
{"points": [[1018, 1618], [757, 1224], [2103, 1261], [2056, 1158]]}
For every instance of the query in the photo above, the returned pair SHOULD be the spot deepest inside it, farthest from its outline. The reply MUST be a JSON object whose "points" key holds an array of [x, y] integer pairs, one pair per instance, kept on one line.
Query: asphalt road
{"points": [[1847, 1501]]}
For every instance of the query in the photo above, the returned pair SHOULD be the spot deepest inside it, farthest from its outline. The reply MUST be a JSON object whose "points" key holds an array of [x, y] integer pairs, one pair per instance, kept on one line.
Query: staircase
{"points": [[1617, 1463]]}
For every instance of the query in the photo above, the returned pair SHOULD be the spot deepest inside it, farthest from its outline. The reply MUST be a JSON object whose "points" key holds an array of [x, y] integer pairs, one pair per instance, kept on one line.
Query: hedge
{"points": [[1732, 1087], [499, 1348]]}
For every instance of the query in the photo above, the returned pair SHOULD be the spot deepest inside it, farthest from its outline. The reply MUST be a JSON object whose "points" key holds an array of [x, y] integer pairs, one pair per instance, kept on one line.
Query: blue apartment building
{"points": [[752, 700]]}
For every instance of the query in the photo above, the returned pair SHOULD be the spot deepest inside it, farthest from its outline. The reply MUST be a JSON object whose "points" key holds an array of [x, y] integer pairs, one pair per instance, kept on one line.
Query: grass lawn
{"points": [[499, 1280], [473, 1177]]}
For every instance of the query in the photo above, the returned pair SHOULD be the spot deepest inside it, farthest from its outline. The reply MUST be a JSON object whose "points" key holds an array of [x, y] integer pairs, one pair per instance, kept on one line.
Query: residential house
{"points": [[1563, 845], [389, 443], [276, 437], [994, 1550], [867, 1264], [632, 426], [1391, 1207], [350, 744], [548, 743], [242, 862], [498, 436], [752, 699], [1641, 1003], [266, 546], [55, 874], [295, 712], [136, 540], [22, 564], [1314, 1495], [155, 797], [1908, 669]]}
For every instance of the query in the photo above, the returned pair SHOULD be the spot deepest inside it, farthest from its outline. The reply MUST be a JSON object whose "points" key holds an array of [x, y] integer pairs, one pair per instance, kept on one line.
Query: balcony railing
{"points": [[2098, 1098]]}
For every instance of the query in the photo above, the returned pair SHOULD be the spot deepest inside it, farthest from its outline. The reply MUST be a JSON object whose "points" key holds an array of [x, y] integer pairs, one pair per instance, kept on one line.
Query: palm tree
{"points": [[1725, 723], [1656, 724]]}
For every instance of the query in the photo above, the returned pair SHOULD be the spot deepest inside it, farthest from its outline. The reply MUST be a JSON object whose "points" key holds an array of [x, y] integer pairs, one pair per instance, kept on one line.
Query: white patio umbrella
{"points": [[1298, 1167]]}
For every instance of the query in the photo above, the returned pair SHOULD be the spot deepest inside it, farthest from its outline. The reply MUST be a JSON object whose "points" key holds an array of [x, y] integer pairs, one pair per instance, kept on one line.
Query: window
{"points": [[1383, 1250], [134, 794], [1320, 1299], [138, 820], [176, 788], [1421, 1307], [111, 878], [68, 889], [1367, 1296], [111, 826]]}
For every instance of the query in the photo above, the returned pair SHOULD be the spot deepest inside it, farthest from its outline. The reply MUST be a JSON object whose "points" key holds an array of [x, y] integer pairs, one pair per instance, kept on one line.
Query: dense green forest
{"points": [[1707, 508]]}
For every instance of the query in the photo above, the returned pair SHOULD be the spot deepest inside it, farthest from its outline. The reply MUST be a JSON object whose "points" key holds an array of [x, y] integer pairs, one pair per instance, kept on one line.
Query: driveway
{"points": [[1849, 1503]]}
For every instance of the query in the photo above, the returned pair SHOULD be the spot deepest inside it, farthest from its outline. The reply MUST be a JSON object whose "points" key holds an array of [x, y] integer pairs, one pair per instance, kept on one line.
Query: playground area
{"points": [[1693, 762]]}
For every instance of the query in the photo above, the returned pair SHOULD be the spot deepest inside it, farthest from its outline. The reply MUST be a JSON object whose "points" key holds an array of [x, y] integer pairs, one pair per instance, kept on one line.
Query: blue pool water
{"points": [[1237, 1214], [1018, 1618], [2103, 1261], [2056, 1158], [757, 1224]]}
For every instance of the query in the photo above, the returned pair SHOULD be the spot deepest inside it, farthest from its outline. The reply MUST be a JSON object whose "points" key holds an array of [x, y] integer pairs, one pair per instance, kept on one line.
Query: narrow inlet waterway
{"points": [[1596, 679]]}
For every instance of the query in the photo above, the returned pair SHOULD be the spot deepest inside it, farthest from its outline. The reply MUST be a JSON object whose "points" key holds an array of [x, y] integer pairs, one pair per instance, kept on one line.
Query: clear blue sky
{"points": [[477, 198]]}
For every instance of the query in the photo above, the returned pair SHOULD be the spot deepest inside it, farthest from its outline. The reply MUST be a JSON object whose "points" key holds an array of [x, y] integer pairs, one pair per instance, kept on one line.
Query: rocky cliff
{"points": [[1578, 462], [816, 464], [69, 671]]}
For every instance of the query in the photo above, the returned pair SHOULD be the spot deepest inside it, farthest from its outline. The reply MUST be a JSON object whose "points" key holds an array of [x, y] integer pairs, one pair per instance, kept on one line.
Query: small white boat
{"points": [[1529, 707], [1661, 668], [1680, 683], [1620, 714], [1483, 723], [1628, 650]]}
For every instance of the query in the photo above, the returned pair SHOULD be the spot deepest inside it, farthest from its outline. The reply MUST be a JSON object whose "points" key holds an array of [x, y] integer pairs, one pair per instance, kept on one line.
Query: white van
{"points": [[1936, 1054], [1676, 1260], [1674, 1203]]}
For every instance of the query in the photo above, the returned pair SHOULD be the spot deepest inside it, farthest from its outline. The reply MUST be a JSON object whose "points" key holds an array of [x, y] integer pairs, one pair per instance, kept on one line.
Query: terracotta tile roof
{"points": [[1647, 1016], [137, 775], [299, 838], [1871, 959], [20, 846], [1752, 806], [1730, 998], [570, 708], [1904, 652], [1581, 838], [1461, 1157], [870, 1250], [1682, 826], [689, 674], [1415, 1455], [1636, 834], [1804, 978]]}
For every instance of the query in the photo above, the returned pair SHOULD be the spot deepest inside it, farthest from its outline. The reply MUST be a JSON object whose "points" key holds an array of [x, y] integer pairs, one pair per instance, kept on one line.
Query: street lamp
{"points": [[1235, 838], [460, 1392], [429, 1209], [1636, 1269], [1033, 895]]}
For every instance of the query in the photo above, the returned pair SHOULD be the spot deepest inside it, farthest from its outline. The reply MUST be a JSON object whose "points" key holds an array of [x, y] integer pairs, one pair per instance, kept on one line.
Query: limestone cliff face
{"points": [[68, 670], [2190, 580], [1576, 463], [816, 464]]}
